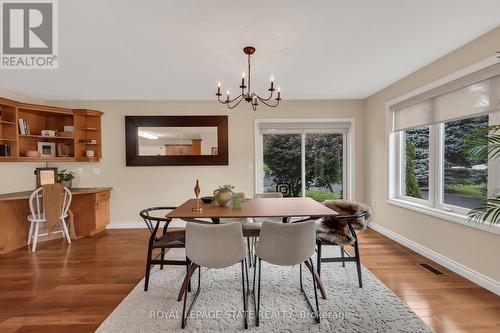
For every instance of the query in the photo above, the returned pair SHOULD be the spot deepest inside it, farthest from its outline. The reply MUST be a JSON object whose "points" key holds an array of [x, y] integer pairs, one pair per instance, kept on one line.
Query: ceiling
{"points": [[178, 50]]}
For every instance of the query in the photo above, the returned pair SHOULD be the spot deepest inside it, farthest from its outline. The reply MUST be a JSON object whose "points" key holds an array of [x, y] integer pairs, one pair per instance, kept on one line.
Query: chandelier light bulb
{"points": [[243, 75], [218, 84], [272, 78]]}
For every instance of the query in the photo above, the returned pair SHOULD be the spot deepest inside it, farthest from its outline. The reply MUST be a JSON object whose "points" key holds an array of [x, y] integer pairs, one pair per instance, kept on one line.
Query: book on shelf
{"points": [[24, 127]]}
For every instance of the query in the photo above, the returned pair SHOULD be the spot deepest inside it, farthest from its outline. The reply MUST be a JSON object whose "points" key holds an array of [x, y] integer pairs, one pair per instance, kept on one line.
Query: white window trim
{"points": [[455, 214], [349, 164]]}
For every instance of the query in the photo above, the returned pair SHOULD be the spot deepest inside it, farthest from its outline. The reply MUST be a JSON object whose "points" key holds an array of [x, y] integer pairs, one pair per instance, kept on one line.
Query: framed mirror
{"points": [[176, 140]]}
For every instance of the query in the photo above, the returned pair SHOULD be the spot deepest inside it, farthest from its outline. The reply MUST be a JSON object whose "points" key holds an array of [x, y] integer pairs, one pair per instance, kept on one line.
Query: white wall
{"points": [[139, 187], [476, 249]]}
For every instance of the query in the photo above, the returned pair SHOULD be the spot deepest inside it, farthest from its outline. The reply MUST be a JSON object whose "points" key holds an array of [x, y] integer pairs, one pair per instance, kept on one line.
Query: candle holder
{"points": [[197, 208]]}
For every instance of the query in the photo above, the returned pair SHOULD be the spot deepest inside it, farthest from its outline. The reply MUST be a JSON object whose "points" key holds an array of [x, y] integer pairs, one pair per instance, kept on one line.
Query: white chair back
{"points": [[36, 203], [215, 246], [286, 244], [269, 195]]}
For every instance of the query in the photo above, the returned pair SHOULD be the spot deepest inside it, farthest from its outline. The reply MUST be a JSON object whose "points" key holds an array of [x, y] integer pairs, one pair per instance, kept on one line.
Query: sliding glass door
{"points": [[305, 162]]}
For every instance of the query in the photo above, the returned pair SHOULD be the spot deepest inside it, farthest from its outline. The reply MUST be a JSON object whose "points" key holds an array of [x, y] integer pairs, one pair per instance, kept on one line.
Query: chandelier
{"points": [[246, 92]]}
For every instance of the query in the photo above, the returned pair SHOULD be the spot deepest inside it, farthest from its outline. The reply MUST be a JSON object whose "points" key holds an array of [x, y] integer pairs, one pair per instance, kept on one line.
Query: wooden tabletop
{"points": [[75, 191], [265, 207]]}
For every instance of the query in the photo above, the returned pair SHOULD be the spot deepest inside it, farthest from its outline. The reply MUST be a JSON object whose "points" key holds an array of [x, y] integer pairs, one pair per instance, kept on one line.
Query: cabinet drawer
{"points": [[102, 196]]}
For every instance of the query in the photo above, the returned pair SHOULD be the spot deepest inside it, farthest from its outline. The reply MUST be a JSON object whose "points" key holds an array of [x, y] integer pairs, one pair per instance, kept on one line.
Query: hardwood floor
{"points": [[73, 288]]}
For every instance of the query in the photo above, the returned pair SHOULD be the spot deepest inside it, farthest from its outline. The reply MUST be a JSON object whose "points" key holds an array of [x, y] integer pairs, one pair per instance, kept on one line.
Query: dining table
{"points": [[289, 210]]}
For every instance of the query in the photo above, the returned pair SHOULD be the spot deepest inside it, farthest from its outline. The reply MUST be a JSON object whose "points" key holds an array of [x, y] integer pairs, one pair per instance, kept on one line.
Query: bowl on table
{"points": [[207, 200]]}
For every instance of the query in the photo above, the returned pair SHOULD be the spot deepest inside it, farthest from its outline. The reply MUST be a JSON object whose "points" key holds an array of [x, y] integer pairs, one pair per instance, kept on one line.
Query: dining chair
{"points": [[49, 206], [286, 244], [215, 246], [350, 240], [247, 224], [268, 195], [168, 240]]}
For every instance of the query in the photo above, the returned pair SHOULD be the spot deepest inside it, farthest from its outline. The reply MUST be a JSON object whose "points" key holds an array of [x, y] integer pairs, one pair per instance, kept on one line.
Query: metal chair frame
{"points": [[345, 257]]}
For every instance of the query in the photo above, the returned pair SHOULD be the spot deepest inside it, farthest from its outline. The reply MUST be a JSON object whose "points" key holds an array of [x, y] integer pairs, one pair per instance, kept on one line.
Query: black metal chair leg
{"points": [[148, 268], [315, 292], [245, 300], [358, 264], [319, 258], [257, 312], [162, 258], [342, 253], [188, 263], [185, 314], [316, 312], [249, 252]]}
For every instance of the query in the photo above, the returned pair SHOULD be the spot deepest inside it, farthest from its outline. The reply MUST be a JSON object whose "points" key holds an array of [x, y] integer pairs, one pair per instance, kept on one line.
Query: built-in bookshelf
{"points": [[77, 132]]}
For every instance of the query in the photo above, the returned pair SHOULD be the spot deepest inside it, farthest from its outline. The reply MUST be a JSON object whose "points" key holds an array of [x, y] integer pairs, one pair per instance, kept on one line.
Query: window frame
{"points": [[436, 207], [348, 150]]}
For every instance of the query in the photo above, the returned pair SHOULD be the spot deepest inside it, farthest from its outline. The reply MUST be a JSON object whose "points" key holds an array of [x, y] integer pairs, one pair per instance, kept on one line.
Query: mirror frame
{"points": [[132, 123]]}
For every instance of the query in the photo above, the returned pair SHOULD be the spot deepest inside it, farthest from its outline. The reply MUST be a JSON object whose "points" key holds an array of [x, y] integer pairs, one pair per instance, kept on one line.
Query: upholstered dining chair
{"points": [[286, 244], [268, 195], [49, 206], [153, 217], [214, 246], [247, 224]]}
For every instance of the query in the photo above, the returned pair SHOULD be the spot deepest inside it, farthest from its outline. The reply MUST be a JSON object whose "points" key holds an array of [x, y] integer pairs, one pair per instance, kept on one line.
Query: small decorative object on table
{"points": [[236, 201], [197, 194], [45, 176], [223, 195], [66, 178], [207, 200]]}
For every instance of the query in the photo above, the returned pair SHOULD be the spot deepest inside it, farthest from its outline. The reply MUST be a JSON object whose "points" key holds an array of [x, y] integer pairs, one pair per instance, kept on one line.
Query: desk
{"points": [[90, 207]]}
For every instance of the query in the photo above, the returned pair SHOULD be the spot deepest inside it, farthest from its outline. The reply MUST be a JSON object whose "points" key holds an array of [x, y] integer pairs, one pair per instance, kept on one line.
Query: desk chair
{"points": [[49, 206]]}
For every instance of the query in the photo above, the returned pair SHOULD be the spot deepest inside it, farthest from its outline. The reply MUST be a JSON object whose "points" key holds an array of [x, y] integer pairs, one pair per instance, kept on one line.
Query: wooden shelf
{"points": [[90, 129], [87, 125], [46, 137], [46, 159]]}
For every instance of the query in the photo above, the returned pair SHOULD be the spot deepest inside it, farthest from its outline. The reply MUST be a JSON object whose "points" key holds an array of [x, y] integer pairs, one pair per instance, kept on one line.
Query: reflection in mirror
{"points": [[175, 141]]}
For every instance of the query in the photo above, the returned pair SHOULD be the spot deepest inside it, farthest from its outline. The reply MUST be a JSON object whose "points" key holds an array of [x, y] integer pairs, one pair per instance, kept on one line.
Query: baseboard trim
{"points": [[126, 225], [469, 274]]}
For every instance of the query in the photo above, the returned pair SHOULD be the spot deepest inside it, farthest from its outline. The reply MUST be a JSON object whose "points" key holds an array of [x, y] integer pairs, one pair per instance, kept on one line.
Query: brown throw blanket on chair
{"points": [[334, 229]]}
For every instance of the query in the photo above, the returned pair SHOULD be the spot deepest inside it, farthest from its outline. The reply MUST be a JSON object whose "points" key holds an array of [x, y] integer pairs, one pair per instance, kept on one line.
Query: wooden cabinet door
{"points": [[102, 213]]}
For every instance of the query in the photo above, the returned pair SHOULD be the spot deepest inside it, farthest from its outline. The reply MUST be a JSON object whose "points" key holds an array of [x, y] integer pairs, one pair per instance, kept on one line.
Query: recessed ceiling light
{"points": [[148, 135]]}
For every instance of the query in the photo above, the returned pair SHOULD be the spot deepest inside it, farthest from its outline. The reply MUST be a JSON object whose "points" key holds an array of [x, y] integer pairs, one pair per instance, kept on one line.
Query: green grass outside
{"points": [[321, 196], [466, 190]]}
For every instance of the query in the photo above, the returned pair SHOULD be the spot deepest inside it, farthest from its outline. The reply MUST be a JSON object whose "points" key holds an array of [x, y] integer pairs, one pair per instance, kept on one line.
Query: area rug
{"points": [[373, 308]]}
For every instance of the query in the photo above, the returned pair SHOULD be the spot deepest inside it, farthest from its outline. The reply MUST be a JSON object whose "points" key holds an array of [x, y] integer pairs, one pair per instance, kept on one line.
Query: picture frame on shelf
{"points": [[45, 176], [47, 149]]}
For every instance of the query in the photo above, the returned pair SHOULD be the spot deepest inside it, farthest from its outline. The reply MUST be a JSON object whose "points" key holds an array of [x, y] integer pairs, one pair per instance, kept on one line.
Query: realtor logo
{"points": [[29, 34]]}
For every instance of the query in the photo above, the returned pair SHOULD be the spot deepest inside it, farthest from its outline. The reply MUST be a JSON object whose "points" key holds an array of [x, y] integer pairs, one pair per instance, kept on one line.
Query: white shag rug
{"points": [[373, 308]]}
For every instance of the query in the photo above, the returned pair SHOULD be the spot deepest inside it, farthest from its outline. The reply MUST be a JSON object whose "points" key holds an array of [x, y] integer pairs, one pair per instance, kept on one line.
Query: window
{"points": [[465, 178], [430, 168], [415, 170], [304, 159]]}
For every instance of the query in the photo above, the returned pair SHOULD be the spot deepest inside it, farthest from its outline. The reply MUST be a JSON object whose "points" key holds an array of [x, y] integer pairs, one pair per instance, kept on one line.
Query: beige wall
{"points": [[139, 187], [478, 250]]}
